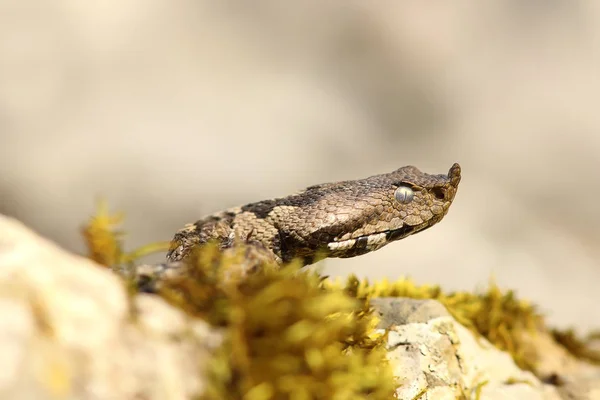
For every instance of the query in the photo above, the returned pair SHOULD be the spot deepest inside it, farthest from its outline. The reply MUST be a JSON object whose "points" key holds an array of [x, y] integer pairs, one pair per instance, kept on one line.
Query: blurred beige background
{"points": [[174, 109]]}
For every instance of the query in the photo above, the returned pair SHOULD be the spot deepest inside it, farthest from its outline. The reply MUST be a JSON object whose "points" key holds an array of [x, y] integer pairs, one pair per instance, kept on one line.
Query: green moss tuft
{"points": [[287, 336]]}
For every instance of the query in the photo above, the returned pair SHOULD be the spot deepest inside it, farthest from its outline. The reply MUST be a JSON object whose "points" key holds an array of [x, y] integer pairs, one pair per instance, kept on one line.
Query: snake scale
{"points": [[339, 219]]}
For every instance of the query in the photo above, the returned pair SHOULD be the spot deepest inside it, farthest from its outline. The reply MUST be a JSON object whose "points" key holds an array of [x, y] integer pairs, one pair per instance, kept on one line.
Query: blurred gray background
{"points": [[172, 109]]}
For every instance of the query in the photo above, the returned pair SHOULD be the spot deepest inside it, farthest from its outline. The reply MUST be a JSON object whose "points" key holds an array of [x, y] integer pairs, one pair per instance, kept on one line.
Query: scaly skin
{"points": [[341, 219]]}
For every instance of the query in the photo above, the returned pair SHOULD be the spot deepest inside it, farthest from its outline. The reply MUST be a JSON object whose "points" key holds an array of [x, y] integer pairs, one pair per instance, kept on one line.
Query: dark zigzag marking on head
{"points": [[261, 209], [303, 199]]}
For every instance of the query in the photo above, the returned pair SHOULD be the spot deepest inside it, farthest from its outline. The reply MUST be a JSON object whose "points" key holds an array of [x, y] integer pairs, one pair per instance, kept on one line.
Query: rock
{"points": [[66, 330], [398, 311], [575, 379], [437, 357]]}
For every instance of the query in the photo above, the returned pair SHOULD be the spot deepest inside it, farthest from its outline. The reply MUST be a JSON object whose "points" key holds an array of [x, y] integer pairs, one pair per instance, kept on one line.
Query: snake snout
{"points": [[454, 174]]}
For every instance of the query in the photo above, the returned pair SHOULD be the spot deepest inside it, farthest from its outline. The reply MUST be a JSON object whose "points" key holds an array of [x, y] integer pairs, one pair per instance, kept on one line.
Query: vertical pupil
{"points": [[404, 194]]}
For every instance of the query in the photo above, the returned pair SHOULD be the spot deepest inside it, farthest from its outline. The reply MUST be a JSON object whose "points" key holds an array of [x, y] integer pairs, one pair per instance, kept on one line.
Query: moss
{"points": [[102, 237], [476, 392], [104, 241], [498, 316], [581, 348], [287, 336]]}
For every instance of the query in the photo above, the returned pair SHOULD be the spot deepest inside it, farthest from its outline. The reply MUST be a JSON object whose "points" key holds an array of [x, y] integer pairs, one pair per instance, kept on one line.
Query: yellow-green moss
{"points": [[102, 237], [498, 316], [581, 348], [287, 337], [104, 240]]}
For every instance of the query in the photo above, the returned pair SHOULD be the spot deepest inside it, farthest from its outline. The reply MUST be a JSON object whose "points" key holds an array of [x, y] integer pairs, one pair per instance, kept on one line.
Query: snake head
{"points": [[350, 218], [339, 219]]}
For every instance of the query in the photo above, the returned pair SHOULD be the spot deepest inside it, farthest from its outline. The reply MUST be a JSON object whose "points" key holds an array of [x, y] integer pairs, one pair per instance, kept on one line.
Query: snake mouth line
{"points": [[374, 241]]}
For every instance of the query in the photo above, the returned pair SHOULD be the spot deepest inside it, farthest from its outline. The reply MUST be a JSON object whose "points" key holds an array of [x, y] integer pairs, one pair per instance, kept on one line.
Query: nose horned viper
{"points": [[339, 219]]}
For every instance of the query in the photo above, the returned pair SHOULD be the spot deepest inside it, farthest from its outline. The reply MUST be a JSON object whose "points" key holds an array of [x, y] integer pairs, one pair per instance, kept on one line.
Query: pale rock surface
{"points": [[576, 379], [66, 330], [439, 358]]}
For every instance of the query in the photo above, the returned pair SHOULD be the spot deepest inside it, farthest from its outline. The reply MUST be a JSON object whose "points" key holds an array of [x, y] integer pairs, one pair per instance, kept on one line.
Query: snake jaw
{"points": [[367, 243]]}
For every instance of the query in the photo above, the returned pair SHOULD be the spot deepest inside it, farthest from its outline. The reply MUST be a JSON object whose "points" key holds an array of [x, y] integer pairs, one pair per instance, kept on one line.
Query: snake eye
{"points": [[404, 195]]}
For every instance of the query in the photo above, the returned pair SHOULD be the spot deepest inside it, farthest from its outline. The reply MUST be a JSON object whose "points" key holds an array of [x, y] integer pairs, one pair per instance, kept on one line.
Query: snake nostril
{"points": [[439, 193]]}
